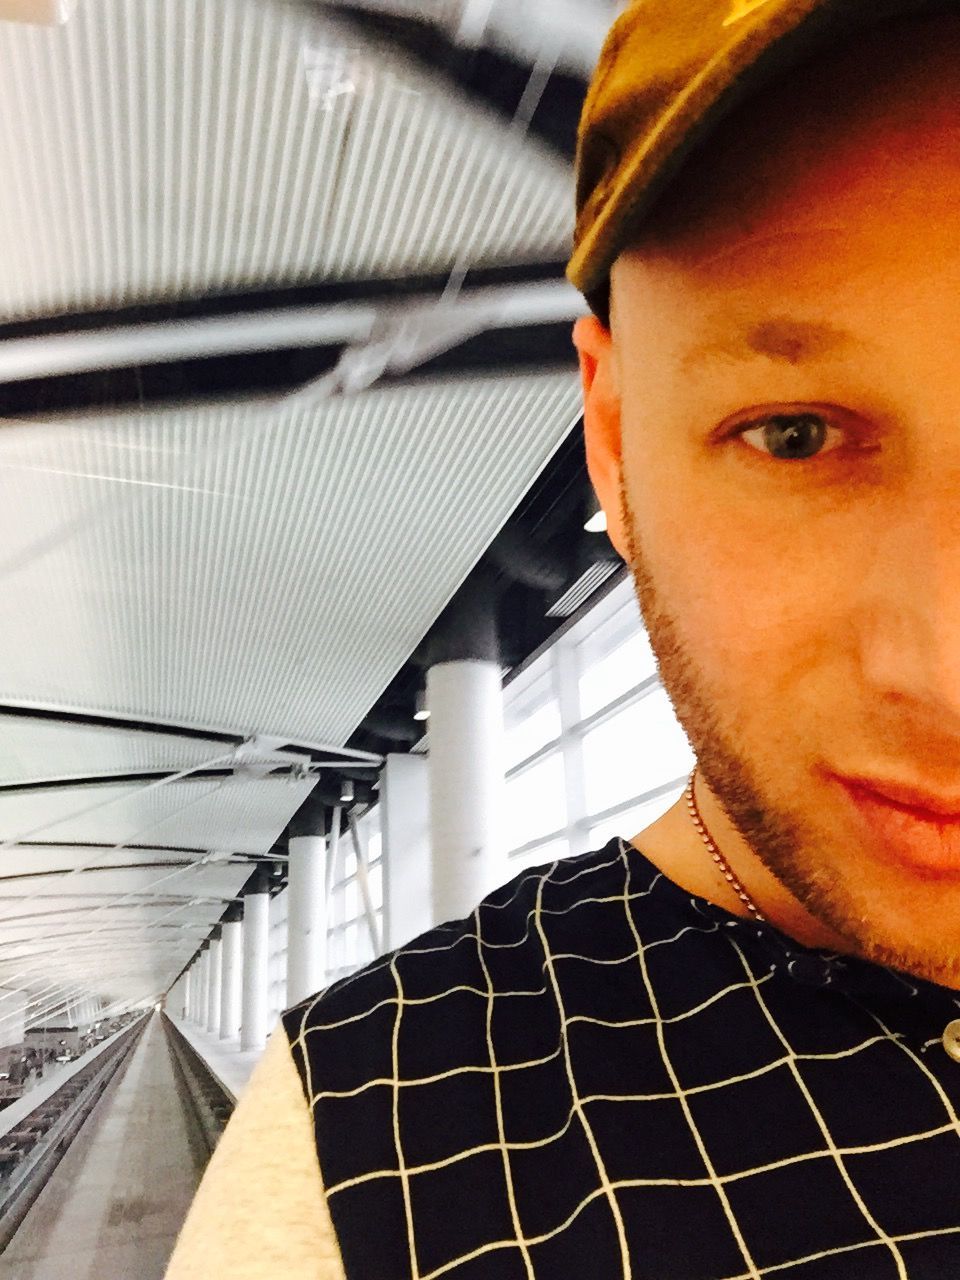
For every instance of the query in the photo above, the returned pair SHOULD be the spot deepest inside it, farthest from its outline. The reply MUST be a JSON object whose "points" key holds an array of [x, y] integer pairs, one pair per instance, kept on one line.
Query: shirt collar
{"points": [[813, 966]]}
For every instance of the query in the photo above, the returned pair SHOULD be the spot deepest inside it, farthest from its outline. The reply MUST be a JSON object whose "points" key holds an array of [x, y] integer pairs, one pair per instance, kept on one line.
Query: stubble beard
{"points": [[781, 841]]}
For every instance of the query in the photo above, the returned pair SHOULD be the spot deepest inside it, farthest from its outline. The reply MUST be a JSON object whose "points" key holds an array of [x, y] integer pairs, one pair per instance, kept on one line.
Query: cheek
{"points": [[751, 599]]}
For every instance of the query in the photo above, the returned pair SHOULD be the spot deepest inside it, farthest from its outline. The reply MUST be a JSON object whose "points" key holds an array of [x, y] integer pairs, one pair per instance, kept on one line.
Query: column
{"points": [[175, 998], [231, 979], [201, 1018], [306, 909], [465, 702], [256, 937], [213, 989], [405, 822]]}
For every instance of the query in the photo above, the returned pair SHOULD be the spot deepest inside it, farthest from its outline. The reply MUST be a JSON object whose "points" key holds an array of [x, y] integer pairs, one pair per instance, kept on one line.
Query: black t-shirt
{"points": [[597, 1074]]}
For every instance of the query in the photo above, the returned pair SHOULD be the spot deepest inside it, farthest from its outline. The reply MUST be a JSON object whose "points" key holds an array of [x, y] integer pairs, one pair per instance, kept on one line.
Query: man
{"points": [[730, 1048]]}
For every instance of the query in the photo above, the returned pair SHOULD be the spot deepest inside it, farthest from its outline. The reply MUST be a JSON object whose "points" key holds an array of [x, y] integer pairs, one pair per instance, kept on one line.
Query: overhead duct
{"points": [[310, 819], [314, 817], [259, 882], [394, 724], [467, 628], [368, 776], [523, 560]]}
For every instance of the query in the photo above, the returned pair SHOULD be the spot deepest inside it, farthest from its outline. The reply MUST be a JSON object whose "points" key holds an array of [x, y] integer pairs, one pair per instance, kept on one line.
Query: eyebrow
{"points": [[777, 338]]}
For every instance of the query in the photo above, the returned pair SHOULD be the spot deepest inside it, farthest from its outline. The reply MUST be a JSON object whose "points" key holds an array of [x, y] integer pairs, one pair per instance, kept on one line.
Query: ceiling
{"points": [[194, 146], [204, 592]]}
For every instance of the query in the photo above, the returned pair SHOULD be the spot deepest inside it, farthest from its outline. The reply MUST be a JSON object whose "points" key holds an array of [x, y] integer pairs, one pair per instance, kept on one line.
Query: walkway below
{"points": [[116, 1201]]}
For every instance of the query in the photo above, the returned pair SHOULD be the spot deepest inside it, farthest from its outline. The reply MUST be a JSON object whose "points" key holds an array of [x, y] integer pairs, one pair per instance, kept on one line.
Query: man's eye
{"points": [[792, 437]]}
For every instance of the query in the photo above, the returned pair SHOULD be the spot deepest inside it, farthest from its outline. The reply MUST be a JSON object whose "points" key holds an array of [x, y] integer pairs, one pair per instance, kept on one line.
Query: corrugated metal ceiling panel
{"points": [[193, 146], [35, 749], [218, 813], [241, 569], [134, 884], [55, 859], [256, 571], [129, 932]]}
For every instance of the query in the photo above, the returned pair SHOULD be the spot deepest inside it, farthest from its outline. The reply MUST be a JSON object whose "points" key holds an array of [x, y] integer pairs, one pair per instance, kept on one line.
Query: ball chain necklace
{"points": [[715, 852]]}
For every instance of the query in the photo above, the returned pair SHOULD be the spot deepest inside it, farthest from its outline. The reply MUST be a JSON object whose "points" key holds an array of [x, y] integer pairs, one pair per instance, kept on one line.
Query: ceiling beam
{"points": [[493, 51], [101, 720], [63, 871], [278, 771], [343, 324]]}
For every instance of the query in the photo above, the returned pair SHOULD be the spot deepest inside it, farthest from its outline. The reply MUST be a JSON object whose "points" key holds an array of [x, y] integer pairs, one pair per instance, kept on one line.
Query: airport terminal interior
{"points": [[312, 631]]}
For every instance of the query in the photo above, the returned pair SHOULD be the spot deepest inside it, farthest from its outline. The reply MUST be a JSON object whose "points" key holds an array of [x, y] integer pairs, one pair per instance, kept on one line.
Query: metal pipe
{"points": [[343, 324]]}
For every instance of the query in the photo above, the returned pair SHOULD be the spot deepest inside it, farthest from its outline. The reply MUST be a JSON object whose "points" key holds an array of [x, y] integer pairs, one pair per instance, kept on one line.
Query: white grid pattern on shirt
{"points": [[608, 1188]]}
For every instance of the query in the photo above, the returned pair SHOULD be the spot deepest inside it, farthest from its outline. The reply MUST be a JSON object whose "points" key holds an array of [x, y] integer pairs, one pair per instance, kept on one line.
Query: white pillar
{"points": [[306, 917], [277, 963], [231, 984], [201, 1018], [466, 784], [188, 1005], [213, 989], [407, 873], [256, 938]]}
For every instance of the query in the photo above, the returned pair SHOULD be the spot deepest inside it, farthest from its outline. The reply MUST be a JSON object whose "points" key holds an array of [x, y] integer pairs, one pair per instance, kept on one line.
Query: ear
{"points": [[601, 420]]}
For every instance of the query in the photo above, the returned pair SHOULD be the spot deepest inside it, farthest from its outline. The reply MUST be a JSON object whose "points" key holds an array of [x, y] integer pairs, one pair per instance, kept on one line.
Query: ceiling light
{"points": [[421, 712], [596, 521], [346, 791]]}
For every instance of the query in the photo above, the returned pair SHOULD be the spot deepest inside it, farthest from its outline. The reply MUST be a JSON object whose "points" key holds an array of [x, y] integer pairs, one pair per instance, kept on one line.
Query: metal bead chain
{"points": [[715, 852]]}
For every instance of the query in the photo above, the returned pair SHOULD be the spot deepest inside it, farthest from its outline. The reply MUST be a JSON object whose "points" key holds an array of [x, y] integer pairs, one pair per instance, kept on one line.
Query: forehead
{"points": [[780, 338]]}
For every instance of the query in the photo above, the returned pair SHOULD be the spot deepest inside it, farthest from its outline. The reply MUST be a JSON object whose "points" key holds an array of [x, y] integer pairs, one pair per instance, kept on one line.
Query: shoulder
{"points": [[348, 1036], [449, 953], [412, 1064]]}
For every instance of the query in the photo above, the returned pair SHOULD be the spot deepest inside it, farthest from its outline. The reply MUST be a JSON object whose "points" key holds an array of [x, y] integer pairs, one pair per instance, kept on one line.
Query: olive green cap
{"points": [[669, 72]]}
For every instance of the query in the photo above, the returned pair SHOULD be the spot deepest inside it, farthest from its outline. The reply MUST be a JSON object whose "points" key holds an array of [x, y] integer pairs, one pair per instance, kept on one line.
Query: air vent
{"points": [[582, 589]]}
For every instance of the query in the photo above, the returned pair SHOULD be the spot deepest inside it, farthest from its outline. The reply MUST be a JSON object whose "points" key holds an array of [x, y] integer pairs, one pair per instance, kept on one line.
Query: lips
{"points": [[922, 803], [906, 827]]}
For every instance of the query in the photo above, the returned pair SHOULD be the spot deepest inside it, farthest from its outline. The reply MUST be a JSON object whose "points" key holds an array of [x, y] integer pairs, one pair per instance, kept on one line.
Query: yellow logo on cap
{"points": [[741, 9]]}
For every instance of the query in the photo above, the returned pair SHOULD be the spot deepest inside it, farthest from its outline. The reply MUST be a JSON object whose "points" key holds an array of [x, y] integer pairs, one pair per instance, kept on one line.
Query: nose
{"points": [[910, 604]]}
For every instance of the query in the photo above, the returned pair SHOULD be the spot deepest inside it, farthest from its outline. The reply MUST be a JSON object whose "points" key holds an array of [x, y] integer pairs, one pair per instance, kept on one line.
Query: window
{"points": [[630, 822], [614, 658], [349, 944], [528, 735], [536, 801], [531, 716], [376, 886], [633, 751], [540, 855], [593, 705], [351, 900]]}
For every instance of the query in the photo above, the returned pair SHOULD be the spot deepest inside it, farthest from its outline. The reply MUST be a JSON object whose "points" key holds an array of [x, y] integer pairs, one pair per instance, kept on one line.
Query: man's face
{"points": [[779, 412]]}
